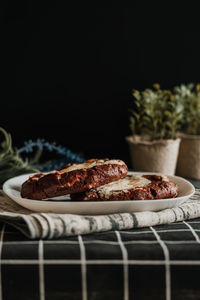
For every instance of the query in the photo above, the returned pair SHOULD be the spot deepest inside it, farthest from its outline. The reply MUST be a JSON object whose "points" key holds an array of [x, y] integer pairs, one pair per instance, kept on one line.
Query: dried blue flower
{"points": [[62, 154]]}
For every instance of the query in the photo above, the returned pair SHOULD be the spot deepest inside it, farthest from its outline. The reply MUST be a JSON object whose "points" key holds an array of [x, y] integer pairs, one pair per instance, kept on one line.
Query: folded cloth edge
{"points": [[54, 226]]}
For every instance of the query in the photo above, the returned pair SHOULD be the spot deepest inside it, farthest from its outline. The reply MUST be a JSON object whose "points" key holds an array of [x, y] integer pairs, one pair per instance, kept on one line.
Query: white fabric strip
{"points": [[1, 245], [43, 224], [99, 262], [195, 222], [97, 242], [31, 227], [148, 231], [192, 231], [167, 265], [83, 268], [125, 259], [41, 270], [178, 223], [51, 225]]}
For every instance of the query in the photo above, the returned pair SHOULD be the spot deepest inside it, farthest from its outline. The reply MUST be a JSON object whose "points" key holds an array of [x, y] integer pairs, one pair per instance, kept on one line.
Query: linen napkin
{"points": [[54, 226]]}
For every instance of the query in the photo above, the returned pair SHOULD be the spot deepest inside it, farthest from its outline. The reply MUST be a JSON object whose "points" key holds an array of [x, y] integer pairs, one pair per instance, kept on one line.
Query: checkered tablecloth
{"points": [[161, 262]]}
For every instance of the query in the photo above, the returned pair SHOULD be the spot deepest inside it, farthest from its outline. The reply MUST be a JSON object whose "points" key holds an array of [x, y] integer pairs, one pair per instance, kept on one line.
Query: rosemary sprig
{"points": [[11, 163], [189, 95], [156, 114]]}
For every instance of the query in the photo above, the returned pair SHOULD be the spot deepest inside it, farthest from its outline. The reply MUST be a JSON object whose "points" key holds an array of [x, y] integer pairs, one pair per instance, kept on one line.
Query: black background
{"points": [[69, 67]]}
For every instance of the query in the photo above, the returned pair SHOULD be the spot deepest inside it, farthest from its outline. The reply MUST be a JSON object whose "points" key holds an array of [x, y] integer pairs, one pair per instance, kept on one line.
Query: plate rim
{"points": [[6, 186]]}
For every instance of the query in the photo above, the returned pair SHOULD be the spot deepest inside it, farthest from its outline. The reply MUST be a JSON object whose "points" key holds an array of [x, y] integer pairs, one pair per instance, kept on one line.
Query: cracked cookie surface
{"points": [[73, 178], [132, 187]]}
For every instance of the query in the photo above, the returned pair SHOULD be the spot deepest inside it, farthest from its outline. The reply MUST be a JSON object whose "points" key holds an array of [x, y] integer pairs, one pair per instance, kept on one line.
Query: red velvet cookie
{"points": [[73, 178], [132, 187]]}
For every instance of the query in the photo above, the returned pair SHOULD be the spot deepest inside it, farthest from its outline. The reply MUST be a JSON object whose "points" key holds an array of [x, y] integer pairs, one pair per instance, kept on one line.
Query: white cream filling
{"points": [[88, 165], [125, 184]]}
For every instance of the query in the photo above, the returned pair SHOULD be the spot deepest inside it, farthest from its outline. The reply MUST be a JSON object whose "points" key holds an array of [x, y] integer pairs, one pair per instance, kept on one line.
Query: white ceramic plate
{"points": [[63, 204]]}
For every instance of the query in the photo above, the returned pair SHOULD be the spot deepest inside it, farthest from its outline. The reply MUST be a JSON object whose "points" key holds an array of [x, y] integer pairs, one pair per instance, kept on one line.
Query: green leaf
{"points": [[158, 112], [11, 164]]}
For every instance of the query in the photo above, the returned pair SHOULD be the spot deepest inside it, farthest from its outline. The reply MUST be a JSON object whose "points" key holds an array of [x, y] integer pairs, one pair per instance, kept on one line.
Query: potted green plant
{"points": [[154, 122], [189, 156]]}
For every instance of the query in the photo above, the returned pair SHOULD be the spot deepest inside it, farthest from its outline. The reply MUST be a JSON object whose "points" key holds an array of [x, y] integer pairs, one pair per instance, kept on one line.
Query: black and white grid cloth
{"points": [[161, 262]]}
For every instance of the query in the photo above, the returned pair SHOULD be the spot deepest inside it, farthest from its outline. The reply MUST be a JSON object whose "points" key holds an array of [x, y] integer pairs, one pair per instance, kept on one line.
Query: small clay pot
{"points": [[154, 156], [189, 156]]}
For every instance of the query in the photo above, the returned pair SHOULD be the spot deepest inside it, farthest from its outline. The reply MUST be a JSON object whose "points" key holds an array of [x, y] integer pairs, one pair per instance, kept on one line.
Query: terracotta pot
{"points": [[154, 156], [189, 156]]}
